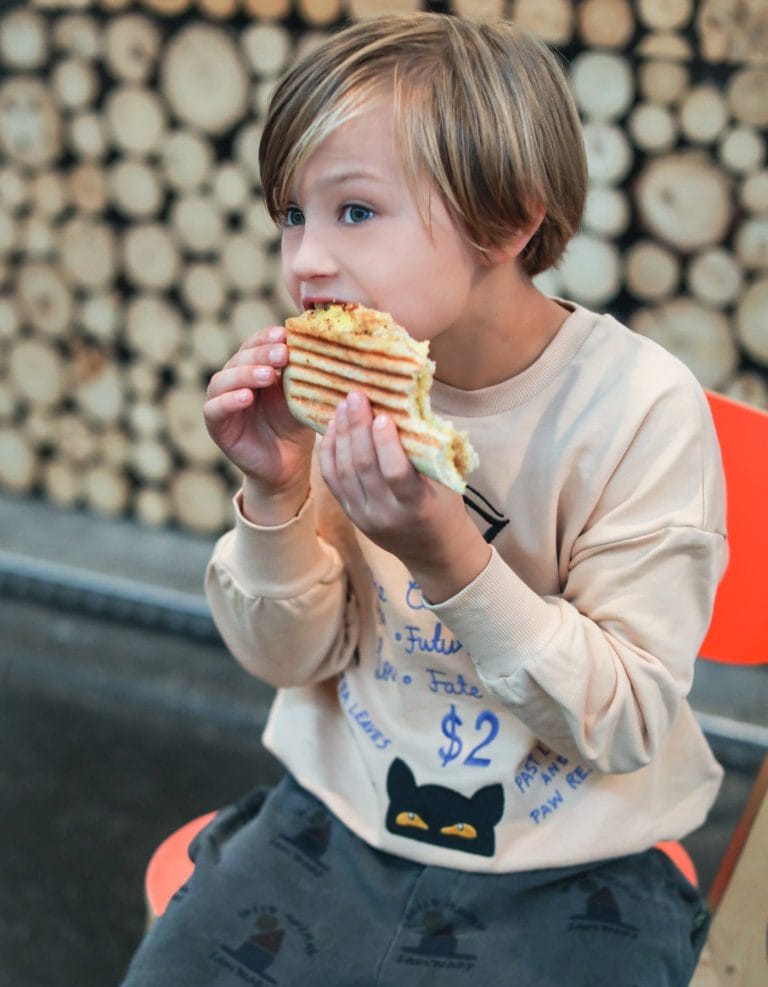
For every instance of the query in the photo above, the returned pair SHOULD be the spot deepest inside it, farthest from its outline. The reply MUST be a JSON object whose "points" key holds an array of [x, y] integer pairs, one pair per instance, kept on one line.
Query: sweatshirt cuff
{"points": [[279, 561], [499, 619]]}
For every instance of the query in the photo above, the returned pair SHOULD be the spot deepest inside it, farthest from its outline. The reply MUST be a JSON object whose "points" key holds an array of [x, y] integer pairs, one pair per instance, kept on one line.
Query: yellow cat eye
{"points": [[465, 830], [410, 819]]}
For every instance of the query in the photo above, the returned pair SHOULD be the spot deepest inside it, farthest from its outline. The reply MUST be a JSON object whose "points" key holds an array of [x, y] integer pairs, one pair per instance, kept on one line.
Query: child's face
{"points": [[354, 233]]}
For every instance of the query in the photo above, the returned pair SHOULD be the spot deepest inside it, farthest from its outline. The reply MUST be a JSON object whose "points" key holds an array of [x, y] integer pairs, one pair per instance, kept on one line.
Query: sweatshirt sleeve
{"points": [[603, 666], [279, 597]]}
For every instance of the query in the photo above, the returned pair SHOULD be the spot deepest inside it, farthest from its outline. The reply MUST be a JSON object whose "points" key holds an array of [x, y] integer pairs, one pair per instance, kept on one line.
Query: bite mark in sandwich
{"points": [[344, 347]]}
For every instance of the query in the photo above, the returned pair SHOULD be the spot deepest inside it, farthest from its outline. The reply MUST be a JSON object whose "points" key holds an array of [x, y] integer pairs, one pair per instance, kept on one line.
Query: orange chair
{"points": [[738, 635]]}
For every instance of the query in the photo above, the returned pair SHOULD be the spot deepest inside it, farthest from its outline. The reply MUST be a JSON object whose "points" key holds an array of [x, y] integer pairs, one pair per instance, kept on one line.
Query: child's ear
{"points": [[517, 241]]}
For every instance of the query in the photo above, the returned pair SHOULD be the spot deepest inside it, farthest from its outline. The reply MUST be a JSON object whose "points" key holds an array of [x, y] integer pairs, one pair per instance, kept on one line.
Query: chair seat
{"points": [[170, 866]]}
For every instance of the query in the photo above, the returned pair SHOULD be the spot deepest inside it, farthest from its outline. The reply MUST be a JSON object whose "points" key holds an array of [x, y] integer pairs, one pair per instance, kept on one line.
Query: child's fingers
{"points": [[266, 354], [219, 410], [395, 467], [235, 378], [271, 334]]}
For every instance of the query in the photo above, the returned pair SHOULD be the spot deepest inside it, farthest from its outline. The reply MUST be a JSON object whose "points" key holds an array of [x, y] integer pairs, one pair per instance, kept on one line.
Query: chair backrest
{"points": [[738, 633]]}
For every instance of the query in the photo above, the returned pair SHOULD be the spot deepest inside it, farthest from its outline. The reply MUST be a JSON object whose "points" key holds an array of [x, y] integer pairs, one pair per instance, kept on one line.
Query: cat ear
{"points": [[399, 779], [489, 802]]}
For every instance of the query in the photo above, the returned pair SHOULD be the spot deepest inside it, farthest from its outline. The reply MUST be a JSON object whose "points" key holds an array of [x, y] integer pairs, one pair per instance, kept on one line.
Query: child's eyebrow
{"points": [[344, 177]]}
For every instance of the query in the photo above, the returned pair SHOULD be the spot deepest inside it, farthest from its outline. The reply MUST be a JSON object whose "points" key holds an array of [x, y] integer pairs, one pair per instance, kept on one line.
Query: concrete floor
{"points": [[122, 718]]}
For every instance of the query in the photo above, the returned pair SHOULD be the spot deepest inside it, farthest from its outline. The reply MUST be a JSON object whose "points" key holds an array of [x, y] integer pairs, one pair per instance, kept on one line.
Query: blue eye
{"points": [[356, 214], [293, 216]]}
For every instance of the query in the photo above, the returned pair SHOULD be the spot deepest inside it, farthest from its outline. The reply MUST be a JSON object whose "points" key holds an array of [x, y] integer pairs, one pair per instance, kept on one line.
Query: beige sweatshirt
{"points": [[539, 717]]}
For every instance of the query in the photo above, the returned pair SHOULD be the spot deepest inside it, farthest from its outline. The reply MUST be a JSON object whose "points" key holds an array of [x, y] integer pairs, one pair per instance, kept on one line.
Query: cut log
{"points": [[183, 406], [653, 128], [670, 194], [246, 145], [733, 31], [44, 299], [202, 289], [749, 387], [74, 439], [151, 460], [665, 15], [320, 13], [9, 233], [609, 152], [663, 82], [665, 45], [603, 84], [38, 239], [88, 188], [9, 319], [145, 419], [479, 10], [150, 257], [107, 490], [714, 277], [30, 128], [754, 192], [703, 114], [23, 39], [552, 21], [88, 253], [204, 80], [77, 34], [153, 330], [251, 314], [62, 481], [651, 272], [267, 48], [591, 270], [100, 315], [18, 461], [198, 224], [212, 343], [742, 150], [143, 380], [260, 224], [201, 501], [218, 9], [153, 507], [231, 188], [137, 119], [276, 9], [747, 95], [752, 321], [605, 23], [37, 371], [14, 189], [134, 189], [131, 47], [245, 264], [697, 334], [607, 211], [751, 243], [98, 387], [170, 8], [114, 447], [87, 135], [75, 83], [186, 159], [49, 193]]}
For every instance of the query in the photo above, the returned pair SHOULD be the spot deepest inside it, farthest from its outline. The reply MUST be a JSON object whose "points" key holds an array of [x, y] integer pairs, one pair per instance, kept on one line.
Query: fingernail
{"points": [[262, 374], [354, 401], [276, 353], [274, 335], [380, 421]]}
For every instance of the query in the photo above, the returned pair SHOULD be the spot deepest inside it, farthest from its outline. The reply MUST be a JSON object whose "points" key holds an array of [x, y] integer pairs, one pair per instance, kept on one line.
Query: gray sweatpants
{"points": [[284, 894]]}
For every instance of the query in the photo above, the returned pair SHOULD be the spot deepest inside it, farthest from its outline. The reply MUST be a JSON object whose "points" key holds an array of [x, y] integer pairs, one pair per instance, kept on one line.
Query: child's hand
{"points": [[247, 417], [419, 520]]}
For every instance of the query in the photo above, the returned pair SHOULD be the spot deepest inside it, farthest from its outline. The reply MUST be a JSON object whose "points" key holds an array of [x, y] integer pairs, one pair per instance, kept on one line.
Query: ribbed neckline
{"points": [[525, 385]]}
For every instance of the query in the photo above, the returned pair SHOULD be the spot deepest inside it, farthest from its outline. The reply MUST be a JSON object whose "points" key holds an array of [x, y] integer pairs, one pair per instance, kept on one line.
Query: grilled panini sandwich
{"points": [[344, 347]]}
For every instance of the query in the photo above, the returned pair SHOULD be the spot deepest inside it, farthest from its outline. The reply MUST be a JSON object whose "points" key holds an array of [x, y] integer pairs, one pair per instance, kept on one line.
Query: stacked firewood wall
{"points": [[135, 253]]}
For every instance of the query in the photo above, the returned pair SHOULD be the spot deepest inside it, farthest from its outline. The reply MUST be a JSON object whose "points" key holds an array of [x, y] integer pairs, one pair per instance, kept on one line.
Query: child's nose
{"points": [[312, 256]]}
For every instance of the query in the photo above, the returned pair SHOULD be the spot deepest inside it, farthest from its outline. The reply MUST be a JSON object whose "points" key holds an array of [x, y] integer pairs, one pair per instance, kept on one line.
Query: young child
{"points": [[482, 700]]}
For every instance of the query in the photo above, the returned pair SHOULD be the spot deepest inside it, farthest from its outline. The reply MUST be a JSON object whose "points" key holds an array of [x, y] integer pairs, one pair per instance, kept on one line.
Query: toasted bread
{"points": [[345, 347]]}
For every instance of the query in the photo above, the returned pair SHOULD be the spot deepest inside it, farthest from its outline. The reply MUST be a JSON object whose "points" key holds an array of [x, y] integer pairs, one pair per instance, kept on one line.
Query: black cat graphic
{"points": [[438, 815]]}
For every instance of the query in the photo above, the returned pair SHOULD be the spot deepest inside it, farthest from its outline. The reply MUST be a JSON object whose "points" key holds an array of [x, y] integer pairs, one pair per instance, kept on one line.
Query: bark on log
{"points": [[203, 79], [698, 335], [670, 194]]}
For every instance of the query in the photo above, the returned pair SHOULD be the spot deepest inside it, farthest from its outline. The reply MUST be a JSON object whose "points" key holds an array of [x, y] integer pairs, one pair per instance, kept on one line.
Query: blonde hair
{"points": [[483, 111]]}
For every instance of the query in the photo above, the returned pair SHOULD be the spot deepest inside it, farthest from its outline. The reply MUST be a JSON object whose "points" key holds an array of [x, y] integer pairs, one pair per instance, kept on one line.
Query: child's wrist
{"points": [[270, 508]]}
